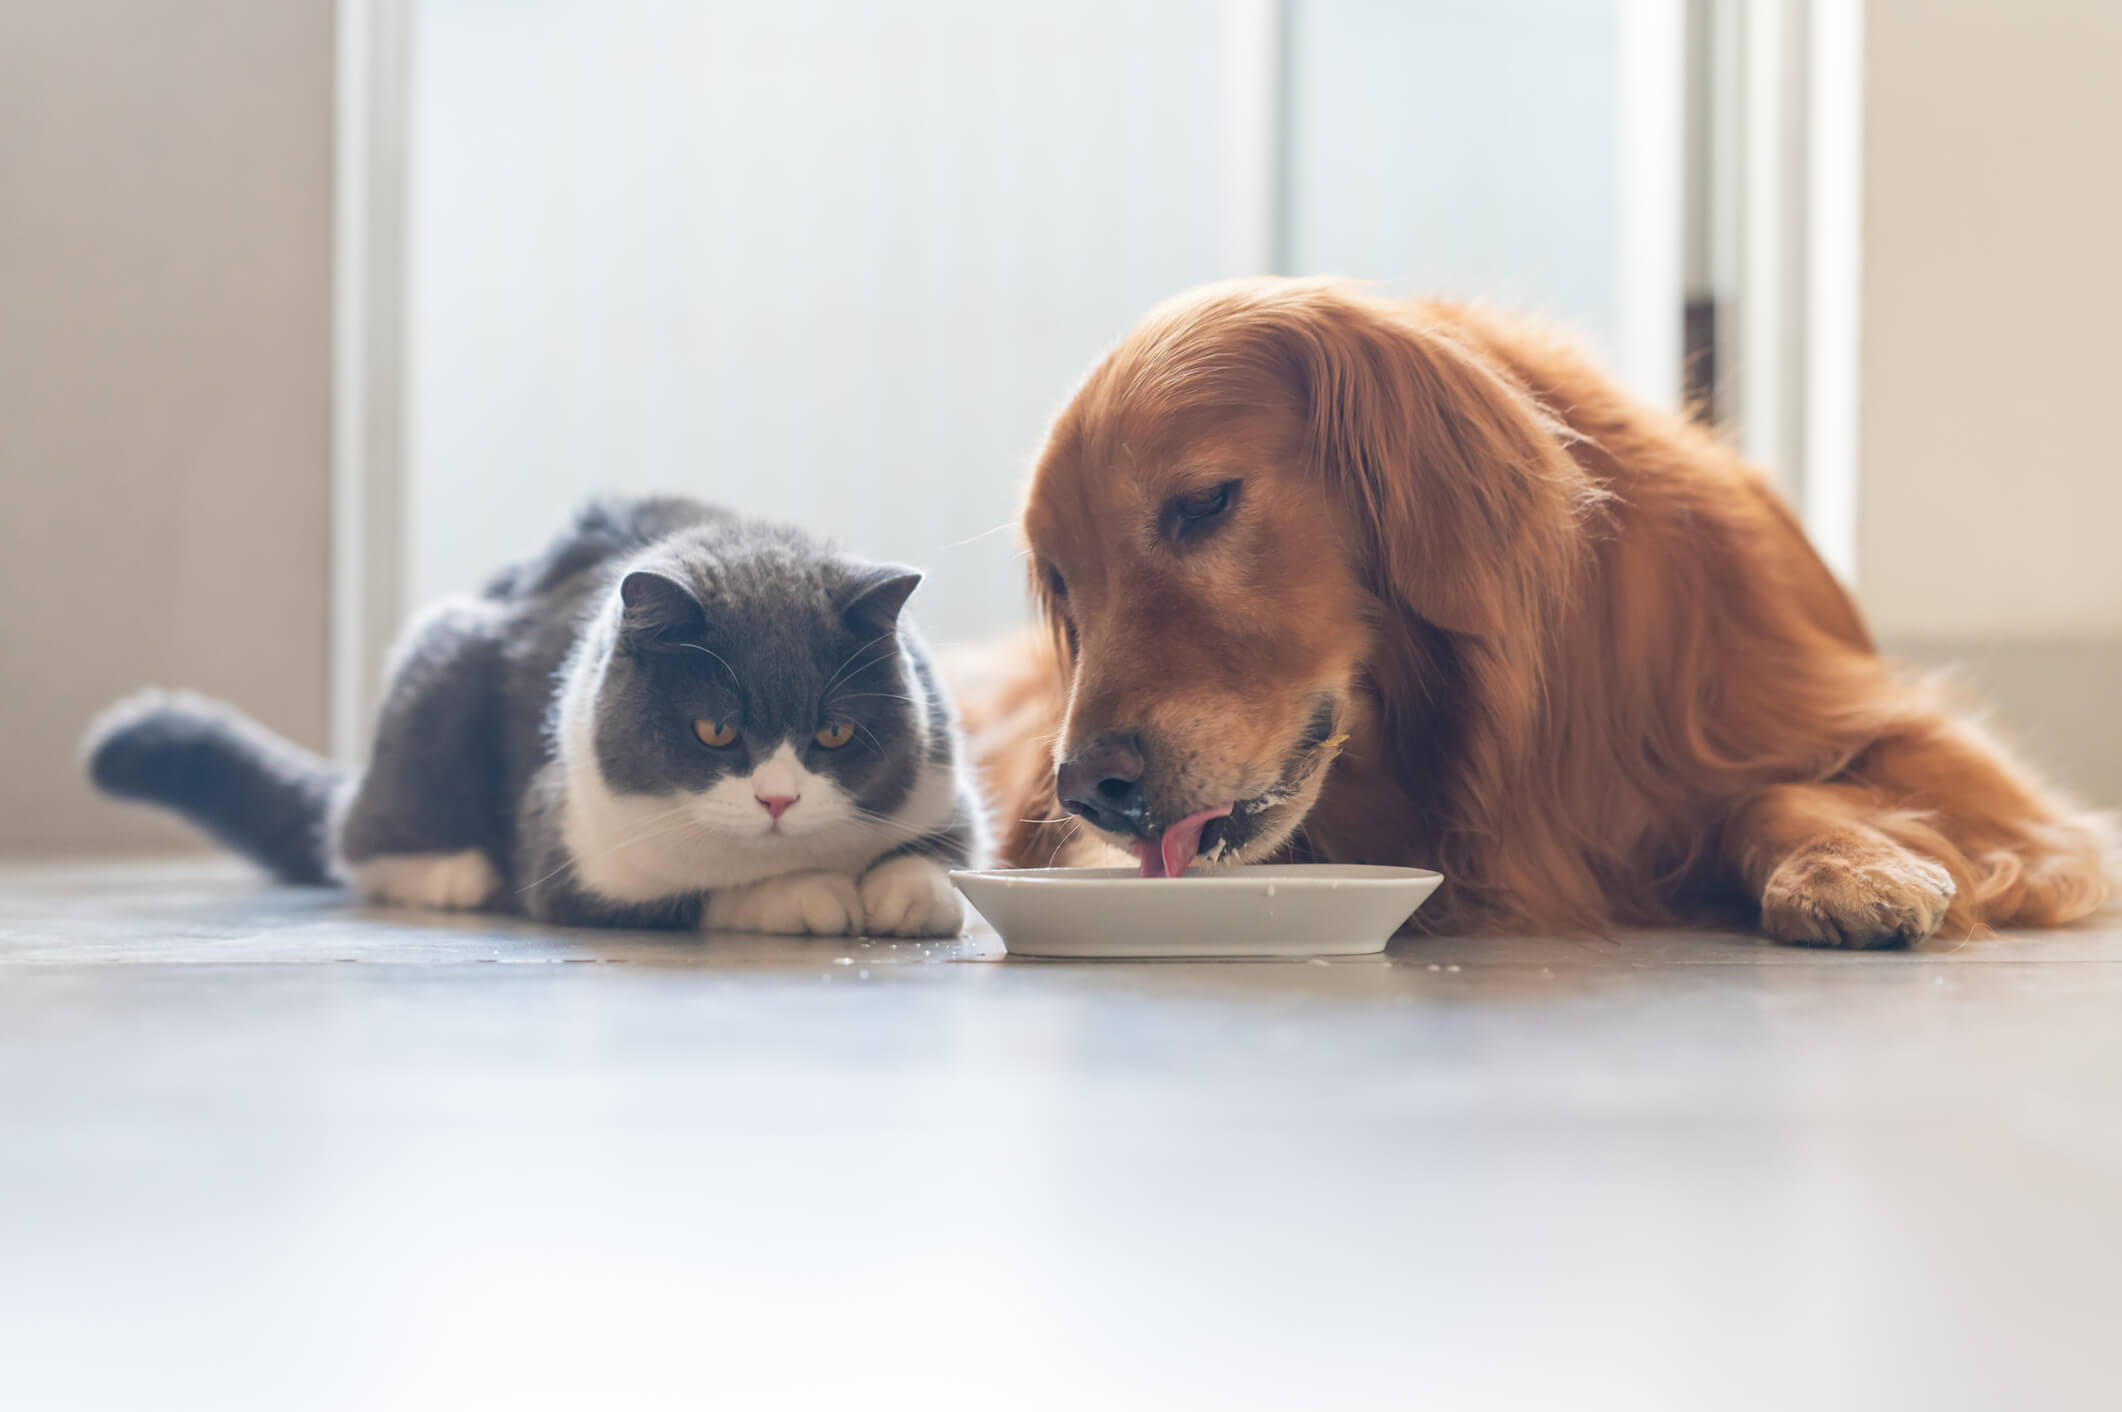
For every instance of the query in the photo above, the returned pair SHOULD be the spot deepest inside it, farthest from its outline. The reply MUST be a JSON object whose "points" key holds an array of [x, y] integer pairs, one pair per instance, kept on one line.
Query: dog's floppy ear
{"points": [[1468, 503]]}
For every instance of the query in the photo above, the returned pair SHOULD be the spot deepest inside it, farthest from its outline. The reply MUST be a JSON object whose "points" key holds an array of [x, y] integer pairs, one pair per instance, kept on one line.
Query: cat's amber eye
{"points": [[836, 735], [715, 733]]}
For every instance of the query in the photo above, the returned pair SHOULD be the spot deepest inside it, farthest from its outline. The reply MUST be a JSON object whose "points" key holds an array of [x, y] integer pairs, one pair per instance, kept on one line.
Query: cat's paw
{"points": [[794, 904], [458, 881], [911, 896]]}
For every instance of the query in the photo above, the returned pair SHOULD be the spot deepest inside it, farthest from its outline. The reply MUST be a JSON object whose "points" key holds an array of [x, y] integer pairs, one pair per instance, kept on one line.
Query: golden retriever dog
{"points": [[1336, 578]]}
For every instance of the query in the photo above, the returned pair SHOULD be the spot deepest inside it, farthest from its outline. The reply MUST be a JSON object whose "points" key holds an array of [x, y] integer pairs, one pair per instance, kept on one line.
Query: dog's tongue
{"points": [[1168, 855]]}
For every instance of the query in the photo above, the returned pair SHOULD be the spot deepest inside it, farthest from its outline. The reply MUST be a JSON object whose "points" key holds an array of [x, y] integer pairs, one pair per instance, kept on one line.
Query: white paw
{"points": [[457, 881], [794, 904], [911, 896]]}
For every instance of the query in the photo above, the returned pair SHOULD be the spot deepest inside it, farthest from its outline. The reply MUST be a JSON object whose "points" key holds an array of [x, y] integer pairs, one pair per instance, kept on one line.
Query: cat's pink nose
{"points": [[775, 804]]}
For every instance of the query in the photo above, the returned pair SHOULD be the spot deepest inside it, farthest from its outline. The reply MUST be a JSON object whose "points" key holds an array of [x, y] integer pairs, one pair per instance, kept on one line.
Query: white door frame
{"points": [[368, 358], [1800, 232], [1834, 270], [1653, 199]]}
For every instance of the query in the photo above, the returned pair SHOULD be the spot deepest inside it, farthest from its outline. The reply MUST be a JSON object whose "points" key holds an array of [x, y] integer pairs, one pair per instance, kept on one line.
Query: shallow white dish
{"points": [[1275, 909]]}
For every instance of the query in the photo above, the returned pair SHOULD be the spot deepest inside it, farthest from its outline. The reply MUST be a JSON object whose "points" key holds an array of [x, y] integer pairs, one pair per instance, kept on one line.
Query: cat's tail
{"points": [[265, 797]]}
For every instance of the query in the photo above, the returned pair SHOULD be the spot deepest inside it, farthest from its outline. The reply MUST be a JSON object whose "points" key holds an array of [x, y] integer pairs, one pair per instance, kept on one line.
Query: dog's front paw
{"points": [[911, 896], [794, 904], [1859, 893]]}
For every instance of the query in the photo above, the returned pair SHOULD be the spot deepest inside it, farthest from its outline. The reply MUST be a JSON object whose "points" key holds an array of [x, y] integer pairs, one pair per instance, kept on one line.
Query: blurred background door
{"points": [[838, 262]]}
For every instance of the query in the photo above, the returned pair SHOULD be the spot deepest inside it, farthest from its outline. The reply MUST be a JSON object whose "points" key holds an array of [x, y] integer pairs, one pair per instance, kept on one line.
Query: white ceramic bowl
{"points": [[1285, 909]]}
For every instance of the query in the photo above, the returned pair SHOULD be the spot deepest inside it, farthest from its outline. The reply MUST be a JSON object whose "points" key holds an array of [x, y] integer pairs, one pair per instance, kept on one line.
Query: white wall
{"points": [[839, 262], [1468, 150], [1989, 510], [831, 263], [165, 249], [1990, 471]]}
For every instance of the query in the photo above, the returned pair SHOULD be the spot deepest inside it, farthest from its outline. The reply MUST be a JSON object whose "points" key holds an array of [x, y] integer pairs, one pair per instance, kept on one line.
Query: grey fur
{"points": [[247, 787], [675, 611]]}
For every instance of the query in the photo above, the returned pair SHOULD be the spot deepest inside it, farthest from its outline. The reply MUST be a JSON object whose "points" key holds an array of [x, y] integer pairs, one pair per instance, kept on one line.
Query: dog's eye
{"points": [[1203, 503], [1192, 512], [719, 734], [1055, 584]]}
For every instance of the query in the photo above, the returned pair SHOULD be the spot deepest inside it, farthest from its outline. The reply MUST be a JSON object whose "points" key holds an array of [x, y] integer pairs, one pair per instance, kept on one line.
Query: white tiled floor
{"points": [[260, 1149]]}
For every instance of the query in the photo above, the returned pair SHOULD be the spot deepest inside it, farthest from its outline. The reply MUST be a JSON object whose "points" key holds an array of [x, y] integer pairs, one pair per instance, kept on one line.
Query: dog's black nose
{"points": [[1103, 782]]}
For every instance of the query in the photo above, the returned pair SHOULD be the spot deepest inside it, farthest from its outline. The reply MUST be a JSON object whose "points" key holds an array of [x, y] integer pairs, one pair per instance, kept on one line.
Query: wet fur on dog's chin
{"points": [[1600, 676], [1272, 821]]}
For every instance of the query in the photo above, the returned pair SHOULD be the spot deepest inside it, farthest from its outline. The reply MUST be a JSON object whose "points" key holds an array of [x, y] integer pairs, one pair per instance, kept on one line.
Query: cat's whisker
{"points": [[659, 831], [655, 828], [841, 670], [696, 647], [845, 667], [889, 824], [984, 534], [903, 833], [1067, 837]]}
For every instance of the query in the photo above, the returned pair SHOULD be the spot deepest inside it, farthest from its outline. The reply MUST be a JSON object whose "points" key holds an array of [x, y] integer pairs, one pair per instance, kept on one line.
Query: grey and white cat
{"points": [[673, 717]]}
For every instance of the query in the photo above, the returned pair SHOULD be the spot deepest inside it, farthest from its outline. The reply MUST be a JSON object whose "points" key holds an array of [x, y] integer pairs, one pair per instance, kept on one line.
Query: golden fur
{"points": [[1585, 660]]}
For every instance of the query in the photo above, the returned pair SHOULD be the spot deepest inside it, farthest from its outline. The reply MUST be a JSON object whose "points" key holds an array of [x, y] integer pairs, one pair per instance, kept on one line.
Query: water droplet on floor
{"points": [[843, 960]]}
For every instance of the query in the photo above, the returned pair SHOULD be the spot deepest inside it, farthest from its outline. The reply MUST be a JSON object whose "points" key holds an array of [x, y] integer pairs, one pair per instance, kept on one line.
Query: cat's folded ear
{"points": [[873, 595], [658, 609]]}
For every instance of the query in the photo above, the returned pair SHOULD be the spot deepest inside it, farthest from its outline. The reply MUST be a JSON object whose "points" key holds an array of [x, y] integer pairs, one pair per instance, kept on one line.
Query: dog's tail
{"points": [[265, 797]]}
